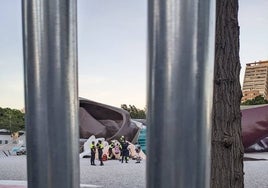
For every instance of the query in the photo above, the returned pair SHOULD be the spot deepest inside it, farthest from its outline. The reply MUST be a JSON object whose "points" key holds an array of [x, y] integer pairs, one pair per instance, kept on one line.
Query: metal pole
{"points": [[181, 58], [50, 65]]}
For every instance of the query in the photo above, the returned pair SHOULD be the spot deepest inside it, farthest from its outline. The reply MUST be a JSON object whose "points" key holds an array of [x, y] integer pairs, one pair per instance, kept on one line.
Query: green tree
{"points": [[257, 100], [11, 119], [134, 112]]}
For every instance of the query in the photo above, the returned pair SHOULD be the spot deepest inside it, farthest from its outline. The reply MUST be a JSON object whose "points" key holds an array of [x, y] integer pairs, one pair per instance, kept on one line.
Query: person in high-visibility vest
{"points": [[121, 141], [125, 151], [93, 153], [100, 152]]}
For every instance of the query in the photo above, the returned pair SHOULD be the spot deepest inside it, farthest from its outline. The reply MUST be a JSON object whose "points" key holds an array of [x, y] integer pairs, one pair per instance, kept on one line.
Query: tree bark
{"points": [[227, 147]]}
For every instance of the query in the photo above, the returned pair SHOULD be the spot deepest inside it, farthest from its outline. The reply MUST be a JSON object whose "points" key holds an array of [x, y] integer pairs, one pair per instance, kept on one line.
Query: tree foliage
{"points": [[134, 112], [257, 100], [11, 119]]}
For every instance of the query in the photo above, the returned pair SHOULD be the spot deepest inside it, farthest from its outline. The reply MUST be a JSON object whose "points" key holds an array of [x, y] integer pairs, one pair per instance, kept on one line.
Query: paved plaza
{"points": [[114, 174]]}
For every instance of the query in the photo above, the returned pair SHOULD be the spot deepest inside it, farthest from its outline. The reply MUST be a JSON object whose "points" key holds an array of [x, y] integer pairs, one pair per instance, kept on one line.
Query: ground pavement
{"points": [[114, 174]]}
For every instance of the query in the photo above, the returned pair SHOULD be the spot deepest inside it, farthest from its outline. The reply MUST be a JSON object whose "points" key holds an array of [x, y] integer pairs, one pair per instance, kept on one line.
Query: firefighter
{"points": [[93, 153]]}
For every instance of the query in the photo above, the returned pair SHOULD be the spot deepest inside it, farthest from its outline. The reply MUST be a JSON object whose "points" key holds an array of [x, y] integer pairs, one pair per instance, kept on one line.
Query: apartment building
{"points": [[255, 80]]}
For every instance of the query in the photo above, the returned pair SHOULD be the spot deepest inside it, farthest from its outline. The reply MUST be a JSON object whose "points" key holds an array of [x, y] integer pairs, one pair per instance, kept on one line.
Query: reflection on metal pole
{"points": [[181, 57], [50, 65]]}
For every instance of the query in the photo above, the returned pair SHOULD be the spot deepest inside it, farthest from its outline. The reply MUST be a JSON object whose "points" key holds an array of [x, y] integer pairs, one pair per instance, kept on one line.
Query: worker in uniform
{"points": [[93, 153], [100, 152], [121, 140], [125, 152]]}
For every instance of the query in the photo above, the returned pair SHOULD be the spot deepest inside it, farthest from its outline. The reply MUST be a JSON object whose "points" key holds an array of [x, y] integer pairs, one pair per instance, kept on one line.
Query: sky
{"points": [[112, 40]]}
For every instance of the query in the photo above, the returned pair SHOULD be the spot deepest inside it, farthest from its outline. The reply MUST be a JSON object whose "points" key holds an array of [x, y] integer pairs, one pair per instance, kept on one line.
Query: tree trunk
{"points": [[227, 147]]}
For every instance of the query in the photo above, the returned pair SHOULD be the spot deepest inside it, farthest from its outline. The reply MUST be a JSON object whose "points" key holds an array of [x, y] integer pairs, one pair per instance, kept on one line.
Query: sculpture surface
{"points": [[108, 122], [105, 121], [255, 128]]}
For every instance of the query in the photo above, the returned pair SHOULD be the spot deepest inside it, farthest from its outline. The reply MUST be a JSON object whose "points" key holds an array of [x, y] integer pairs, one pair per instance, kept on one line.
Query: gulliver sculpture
{"points": [[104, 121]]}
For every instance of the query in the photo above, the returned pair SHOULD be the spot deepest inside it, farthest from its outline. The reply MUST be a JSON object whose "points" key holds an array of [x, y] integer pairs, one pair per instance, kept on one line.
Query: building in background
{"points": [[255, 80], [5, 136]]}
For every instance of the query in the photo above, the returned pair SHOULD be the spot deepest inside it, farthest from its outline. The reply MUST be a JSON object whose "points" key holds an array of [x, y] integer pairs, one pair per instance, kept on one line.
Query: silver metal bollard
{"points": [[50, 65], [180, 87]]}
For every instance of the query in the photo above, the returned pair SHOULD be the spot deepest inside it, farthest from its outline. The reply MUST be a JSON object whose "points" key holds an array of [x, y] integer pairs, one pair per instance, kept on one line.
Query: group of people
{"points": [[121, 148], [93, 148]]}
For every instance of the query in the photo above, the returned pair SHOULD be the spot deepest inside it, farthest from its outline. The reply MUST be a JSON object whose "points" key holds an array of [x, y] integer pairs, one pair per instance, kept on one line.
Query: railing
{"points": [[180, 51], [50, 64]]}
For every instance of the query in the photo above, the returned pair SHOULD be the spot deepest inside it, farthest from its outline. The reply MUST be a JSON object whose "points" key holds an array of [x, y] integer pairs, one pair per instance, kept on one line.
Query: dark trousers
{"points": [[92, 158], [125, 155], [100, 157]]}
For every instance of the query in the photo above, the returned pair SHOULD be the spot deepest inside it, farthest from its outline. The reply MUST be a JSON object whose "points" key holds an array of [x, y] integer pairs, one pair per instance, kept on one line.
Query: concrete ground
{"points": [[114, 174]]}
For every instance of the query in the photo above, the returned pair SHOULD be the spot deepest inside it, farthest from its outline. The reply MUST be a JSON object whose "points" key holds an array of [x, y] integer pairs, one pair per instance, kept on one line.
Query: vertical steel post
{"points": [[181, 57], [50, 65]]}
